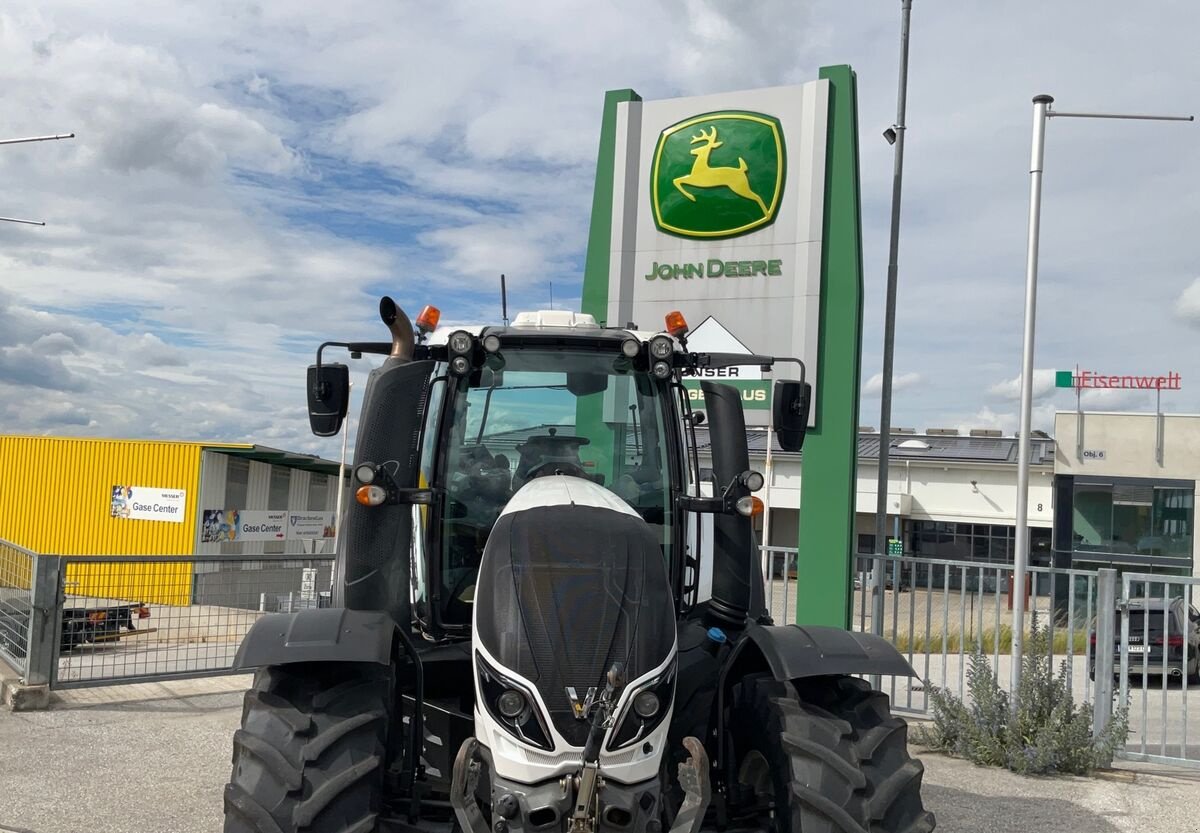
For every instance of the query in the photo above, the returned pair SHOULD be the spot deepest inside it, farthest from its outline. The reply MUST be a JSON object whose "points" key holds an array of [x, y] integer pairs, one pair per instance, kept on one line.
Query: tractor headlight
{"points": [[511, 703], [491, 343], [661, 347], [646, 704], [512, 706], [630, 348], [661, 370], [460, 366], [460, 342], [645, 710]]}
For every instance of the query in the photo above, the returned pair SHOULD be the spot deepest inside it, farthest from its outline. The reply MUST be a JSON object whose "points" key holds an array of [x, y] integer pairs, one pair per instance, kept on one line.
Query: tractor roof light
{"points": [[676, 324], [371, 495], [752, 480], [460, 341], [630, 347], [661, 347], [491, 343], [749, 506], [428, 318], [365, 473]]}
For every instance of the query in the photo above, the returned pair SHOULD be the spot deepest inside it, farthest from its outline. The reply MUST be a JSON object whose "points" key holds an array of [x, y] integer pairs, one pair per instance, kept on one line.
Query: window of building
{"points": [[1133, 517], [988, 543], [866, 544]]}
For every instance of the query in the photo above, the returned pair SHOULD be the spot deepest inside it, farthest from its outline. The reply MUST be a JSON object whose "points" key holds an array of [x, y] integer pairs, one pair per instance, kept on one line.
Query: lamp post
{"points": [[1042, 112], [895, 136], [49, 138]]}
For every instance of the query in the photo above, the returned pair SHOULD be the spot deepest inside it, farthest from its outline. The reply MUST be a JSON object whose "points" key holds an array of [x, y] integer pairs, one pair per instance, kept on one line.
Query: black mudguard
{"points": [[330, 634], [795, 651]]}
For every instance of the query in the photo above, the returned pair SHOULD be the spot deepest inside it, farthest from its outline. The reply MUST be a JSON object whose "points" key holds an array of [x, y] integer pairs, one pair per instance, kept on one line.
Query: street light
{"points": [[49, 138], [895, 137], [1041, 113]]}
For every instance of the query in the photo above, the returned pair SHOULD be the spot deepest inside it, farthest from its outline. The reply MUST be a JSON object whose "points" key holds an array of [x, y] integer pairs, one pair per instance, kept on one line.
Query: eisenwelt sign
{"points": [[717, 211]]}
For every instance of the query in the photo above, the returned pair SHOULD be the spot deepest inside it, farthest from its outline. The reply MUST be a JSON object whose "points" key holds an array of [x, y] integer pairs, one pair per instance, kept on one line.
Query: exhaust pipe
{"points": [[396, 320]]}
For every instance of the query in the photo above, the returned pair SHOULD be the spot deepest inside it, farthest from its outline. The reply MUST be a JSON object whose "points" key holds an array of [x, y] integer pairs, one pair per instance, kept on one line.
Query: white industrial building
{"points": [[949, 495]]}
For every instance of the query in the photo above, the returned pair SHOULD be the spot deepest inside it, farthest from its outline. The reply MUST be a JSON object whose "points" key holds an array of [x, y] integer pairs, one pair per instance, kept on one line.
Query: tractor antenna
{"points": [[503, 301]]}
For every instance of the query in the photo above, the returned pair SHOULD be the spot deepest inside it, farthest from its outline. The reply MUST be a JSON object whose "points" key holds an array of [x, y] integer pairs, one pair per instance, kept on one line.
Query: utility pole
{"points": [[895, 136], [1042, 112]]}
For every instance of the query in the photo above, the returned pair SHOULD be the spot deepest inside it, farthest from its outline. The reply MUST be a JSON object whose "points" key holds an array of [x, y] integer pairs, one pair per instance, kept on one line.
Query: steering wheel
{"points": [[556, 467]]}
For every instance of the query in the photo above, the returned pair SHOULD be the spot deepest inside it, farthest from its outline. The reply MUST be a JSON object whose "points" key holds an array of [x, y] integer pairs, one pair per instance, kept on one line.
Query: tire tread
{"points": [[309, 756]]}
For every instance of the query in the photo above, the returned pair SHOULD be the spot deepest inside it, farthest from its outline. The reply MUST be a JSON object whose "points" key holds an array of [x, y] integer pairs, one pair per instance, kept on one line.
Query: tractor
{"points": [[547, 618]]}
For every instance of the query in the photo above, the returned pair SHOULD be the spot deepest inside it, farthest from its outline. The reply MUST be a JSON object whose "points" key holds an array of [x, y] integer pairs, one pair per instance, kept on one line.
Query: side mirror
{"points": [[791, 403], [328, 397]]}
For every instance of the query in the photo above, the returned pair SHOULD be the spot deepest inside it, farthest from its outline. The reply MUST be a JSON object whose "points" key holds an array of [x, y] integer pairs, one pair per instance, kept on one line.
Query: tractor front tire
{"points": [[880, 741], [795, 761], [310, 755]]}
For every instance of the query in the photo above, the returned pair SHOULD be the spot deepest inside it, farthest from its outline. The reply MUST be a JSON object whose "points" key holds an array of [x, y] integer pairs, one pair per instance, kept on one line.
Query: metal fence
{"points": [[939, 613], [71, 621], [16, 583], [1158, 648]]}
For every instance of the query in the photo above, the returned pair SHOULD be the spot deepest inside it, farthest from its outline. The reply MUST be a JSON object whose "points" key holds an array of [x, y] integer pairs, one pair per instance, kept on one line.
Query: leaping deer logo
{"points": [[704, 176]]}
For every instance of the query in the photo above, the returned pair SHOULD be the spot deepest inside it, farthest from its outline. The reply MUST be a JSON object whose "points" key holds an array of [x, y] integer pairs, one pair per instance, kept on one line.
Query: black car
{"points": [[1153, 630]]}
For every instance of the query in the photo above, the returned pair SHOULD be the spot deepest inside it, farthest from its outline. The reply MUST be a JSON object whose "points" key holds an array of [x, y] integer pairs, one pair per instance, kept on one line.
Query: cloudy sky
{"points": [[248, 178]]}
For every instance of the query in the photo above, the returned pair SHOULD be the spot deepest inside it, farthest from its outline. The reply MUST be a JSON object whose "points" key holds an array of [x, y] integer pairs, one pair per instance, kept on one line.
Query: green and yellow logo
{"points": [[718, 175]]}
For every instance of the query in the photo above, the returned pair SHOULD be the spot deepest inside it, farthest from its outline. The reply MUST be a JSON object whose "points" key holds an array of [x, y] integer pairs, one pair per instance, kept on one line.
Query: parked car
{"points": [[1153, 631]]}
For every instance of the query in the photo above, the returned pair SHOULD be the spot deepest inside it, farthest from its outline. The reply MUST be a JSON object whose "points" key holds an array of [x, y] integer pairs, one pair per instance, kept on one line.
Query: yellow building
{"points": [[80, 496]]}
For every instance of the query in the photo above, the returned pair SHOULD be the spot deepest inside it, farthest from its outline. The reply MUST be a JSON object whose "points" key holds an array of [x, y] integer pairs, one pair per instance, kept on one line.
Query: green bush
{"points": [[1046, 734]]}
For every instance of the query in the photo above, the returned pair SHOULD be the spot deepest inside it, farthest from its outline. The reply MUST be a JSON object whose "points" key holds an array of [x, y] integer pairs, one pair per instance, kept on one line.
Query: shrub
{"points": [[1047, 733]]}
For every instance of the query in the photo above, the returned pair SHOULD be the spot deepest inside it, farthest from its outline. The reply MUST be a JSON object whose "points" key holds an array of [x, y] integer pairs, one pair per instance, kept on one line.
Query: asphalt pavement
{"points": [[154, 757]]}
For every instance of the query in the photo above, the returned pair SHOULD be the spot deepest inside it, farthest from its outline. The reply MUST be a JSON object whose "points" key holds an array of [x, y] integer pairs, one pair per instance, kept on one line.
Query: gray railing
{"points": [[16, 603], [70, 621], [940, 612], [1158, 647]]}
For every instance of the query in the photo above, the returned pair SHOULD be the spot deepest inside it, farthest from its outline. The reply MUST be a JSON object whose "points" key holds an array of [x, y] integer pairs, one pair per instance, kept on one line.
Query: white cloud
{"points": [[1187, 306], [1111, 399], [900, 381], [1043, 385], [246, 178]]}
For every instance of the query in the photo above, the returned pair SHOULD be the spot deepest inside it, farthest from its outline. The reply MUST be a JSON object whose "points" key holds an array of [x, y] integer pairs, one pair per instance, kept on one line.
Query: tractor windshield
{"points": [[536, 413]]}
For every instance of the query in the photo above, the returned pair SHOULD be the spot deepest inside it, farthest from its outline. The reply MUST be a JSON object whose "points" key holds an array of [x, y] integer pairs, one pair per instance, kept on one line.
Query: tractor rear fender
{"points": [[330, 634], [794, 651]]}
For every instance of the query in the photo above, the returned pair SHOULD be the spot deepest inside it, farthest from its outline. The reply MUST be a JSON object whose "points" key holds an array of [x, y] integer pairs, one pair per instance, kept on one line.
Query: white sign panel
{"points": [[308, 526], [143, 503], [308, 584], [718, 207]]}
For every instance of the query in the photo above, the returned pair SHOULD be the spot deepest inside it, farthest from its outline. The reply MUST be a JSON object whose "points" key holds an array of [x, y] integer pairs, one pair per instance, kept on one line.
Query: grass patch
{"points": [[952, 643]]}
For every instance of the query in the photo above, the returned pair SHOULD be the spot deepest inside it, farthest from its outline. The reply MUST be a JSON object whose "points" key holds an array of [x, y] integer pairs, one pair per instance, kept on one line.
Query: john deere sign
{"points": [[742, 211], [715, 206], [718, 175]]}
